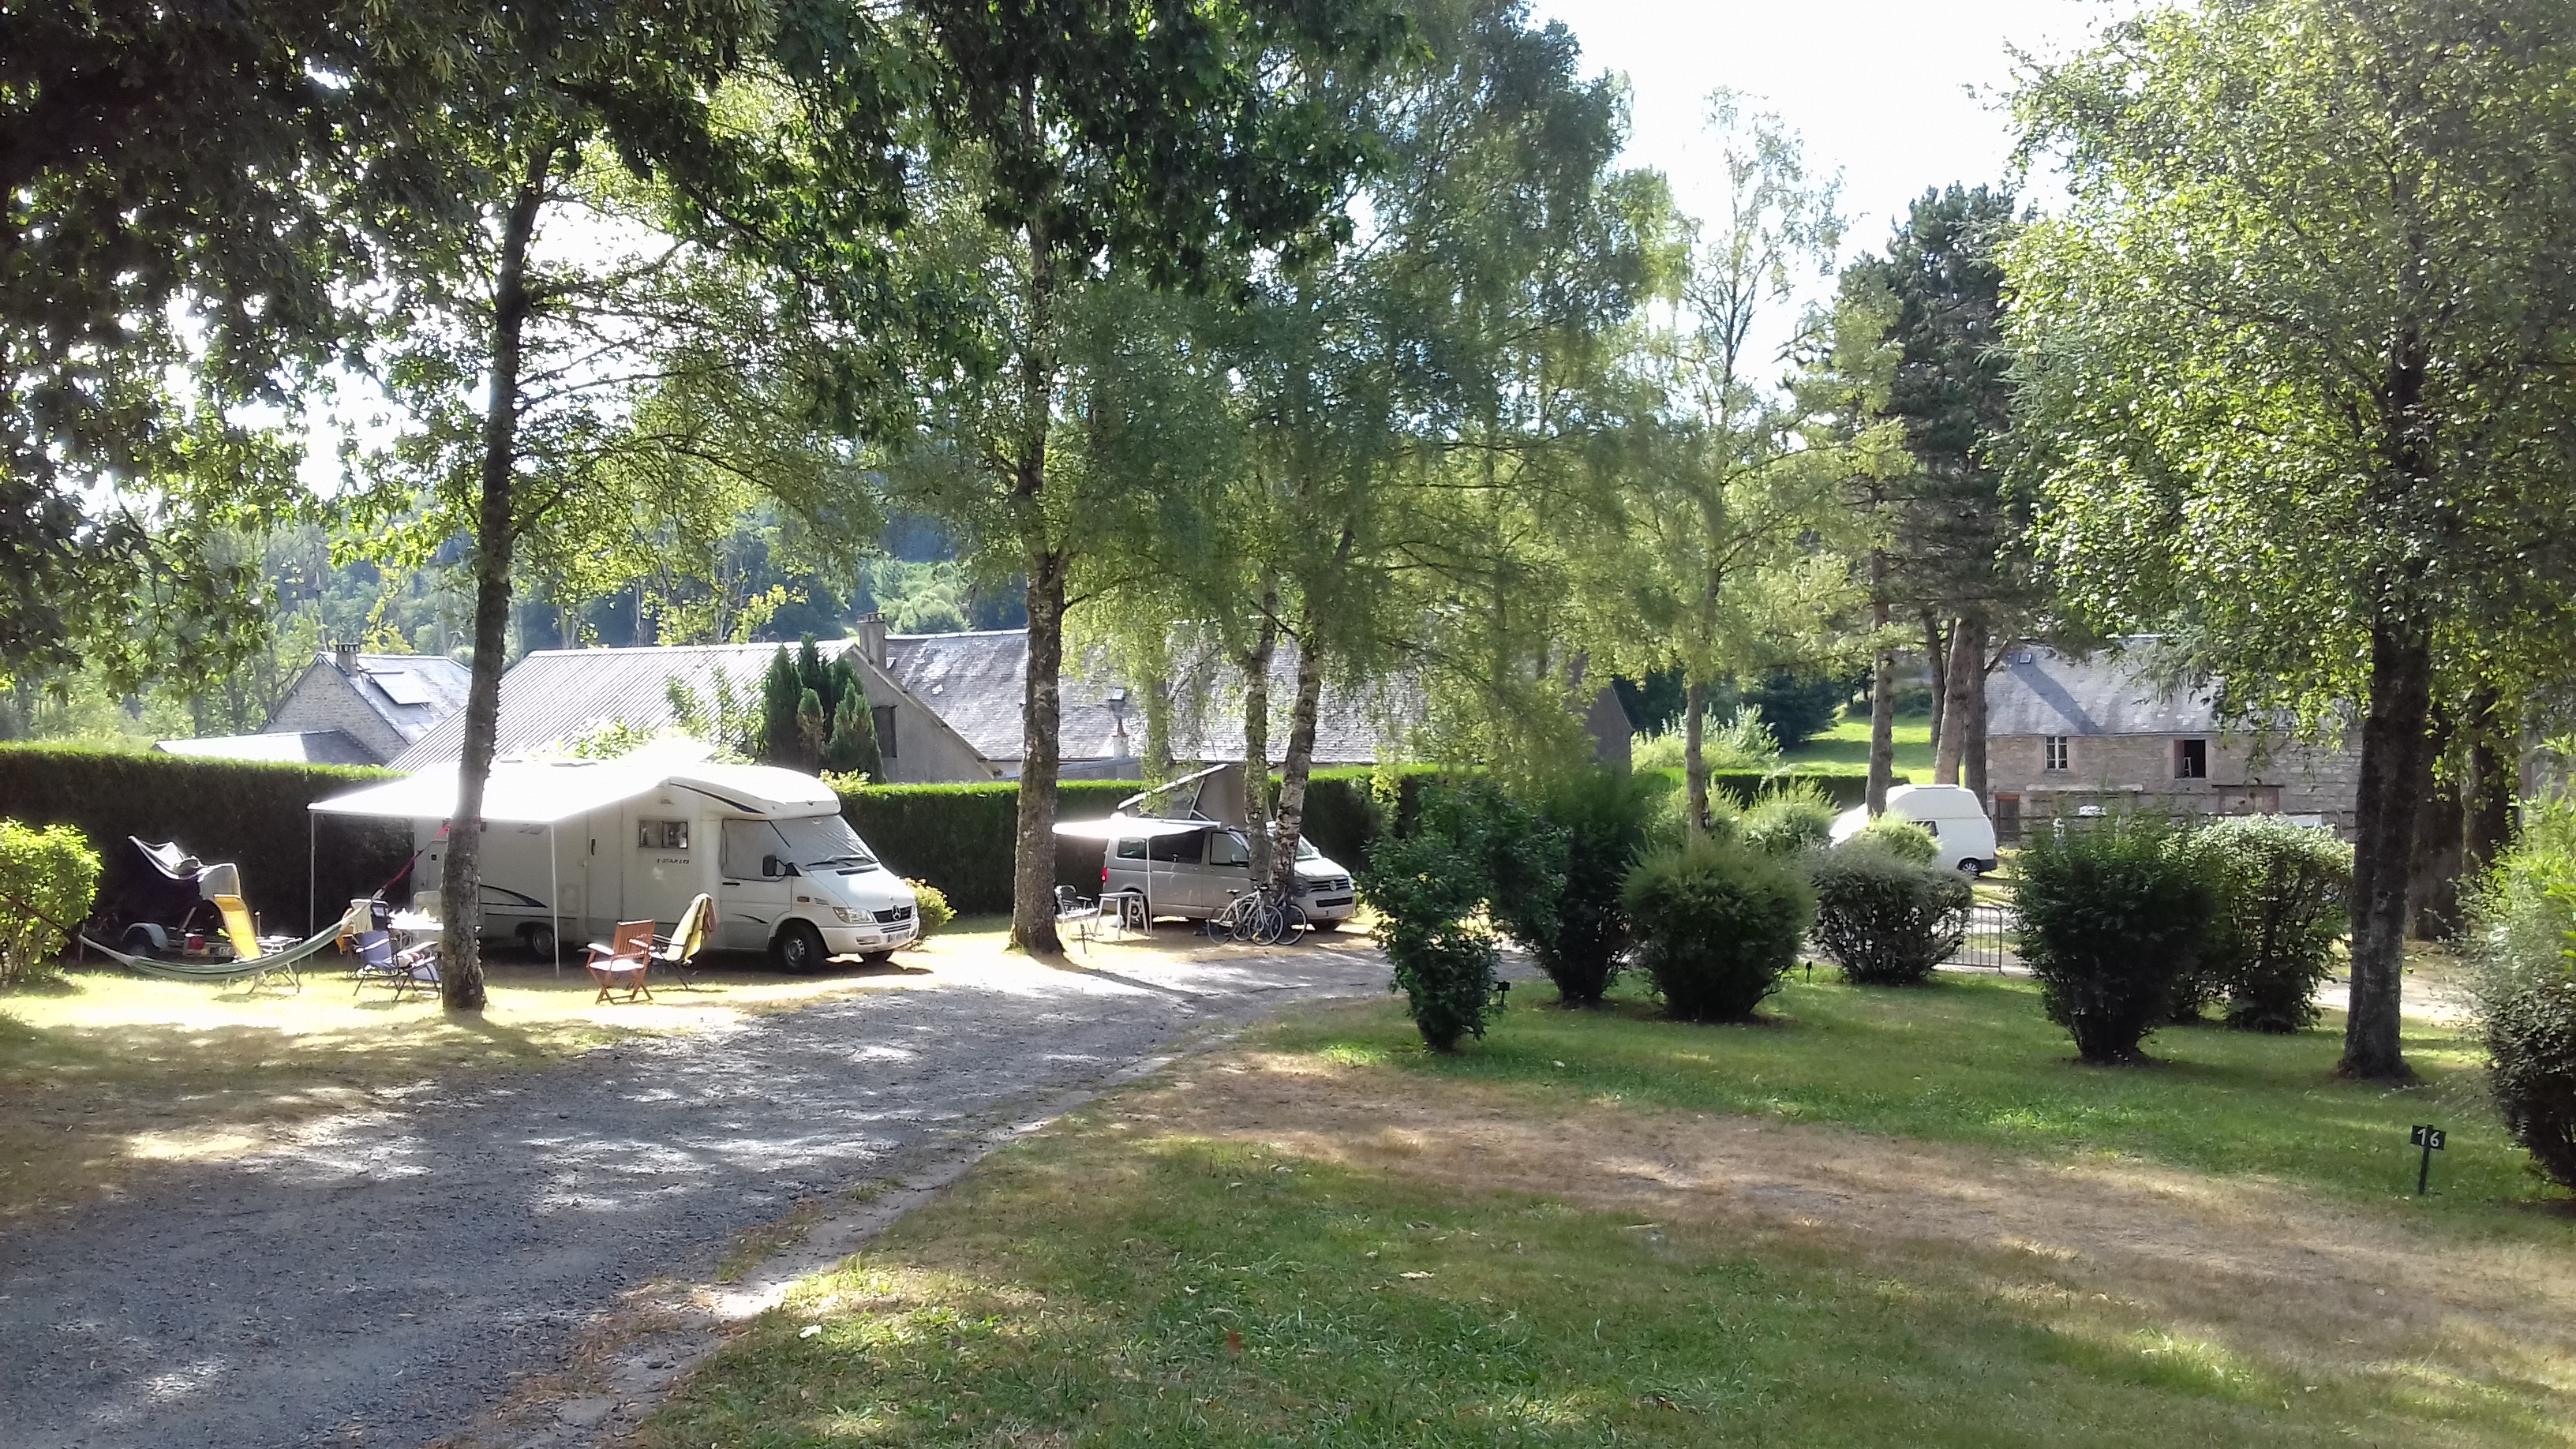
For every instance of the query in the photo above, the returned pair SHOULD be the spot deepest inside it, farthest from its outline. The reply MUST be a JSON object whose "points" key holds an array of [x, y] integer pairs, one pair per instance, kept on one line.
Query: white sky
{"points": [[1898, 94]]}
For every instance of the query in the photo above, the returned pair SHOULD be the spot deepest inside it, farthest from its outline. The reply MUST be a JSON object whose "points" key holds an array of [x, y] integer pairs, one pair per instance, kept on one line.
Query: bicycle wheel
{"points": [[1292, 921]]}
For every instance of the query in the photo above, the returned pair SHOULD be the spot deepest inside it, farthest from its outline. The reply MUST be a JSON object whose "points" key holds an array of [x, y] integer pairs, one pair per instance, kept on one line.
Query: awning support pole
{"points": [[312, 870], [554, 896]]}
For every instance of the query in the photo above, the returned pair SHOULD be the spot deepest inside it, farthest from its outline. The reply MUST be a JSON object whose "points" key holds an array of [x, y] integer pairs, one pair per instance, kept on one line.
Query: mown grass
{"points": [[1120, 1281], [1973, 1059], [1847, 743]]}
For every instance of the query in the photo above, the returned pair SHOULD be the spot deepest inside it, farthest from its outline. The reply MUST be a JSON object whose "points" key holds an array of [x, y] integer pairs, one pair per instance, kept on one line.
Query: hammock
{"points": [[259, 966]]}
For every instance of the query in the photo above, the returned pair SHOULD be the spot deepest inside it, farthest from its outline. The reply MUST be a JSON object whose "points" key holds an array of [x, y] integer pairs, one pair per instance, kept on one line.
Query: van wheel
{"points": [[539, 939], [798, 949], [1971, 869]]}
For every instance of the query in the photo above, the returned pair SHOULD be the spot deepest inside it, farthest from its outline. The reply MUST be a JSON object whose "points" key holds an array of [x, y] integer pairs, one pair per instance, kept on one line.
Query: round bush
{"points": [[2526, 986], [1788, 823], [50, 876], [2282, 899], [1598, 820], [2110, 917], [1719, 925], [1899, 837], [930, 906], [1426, 889], [1887, 921]]}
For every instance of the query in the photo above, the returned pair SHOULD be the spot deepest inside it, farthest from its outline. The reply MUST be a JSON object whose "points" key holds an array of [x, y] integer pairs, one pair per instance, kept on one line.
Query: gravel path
{"points": [[381, 1281]]}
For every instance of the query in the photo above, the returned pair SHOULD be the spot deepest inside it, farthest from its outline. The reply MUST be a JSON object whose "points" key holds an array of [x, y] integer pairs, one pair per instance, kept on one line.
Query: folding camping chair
{"points": [[409, 973], [677, 953], [250, 947], [622, 962]]}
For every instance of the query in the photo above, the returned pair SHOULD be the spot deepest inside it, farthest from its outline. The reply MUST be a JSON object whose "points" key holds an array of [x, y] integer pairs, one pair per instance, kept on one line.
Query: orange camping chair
{"points": [[242, 930], [621, 964]]}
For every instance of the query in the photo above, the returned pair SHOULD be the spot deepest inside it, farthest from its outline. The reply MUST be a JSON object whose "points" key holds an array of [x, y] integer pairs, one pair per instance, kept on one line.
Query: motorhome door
{"points": [[749, 899]]}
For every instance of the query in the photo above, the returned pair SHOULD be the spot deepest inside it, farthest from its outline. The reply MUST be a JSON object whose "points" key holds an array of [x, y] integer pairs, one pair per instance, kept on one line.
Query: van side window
{"points": [[743, 843], [1227, 848], [1180, 849], [661, 835], [1131, 850]]}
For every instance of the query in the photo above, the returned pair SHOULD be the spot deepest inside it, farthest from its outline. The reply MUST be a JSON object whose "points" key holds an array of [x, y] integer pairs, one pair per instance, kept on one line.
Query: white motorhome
{"points": [[571, 847]]}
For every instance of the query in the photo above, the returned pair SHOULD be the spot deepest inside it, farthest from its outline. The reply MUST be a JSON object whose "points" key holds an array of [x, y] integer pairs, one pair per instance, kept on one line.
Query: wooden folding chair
{"points": [[621, 963]]}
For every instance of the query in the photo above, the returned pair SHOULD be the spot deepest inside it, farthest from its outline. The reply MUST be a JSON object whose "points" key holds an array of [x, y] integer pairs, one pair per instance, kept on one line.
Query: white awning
{"points": [[514, 795], [1128, 827]]}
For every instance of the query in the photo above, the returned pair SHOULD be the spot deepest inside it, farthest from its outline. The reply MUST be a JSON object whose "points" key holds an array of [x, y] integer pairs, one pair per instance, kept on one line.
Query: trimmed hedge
{"points": [[244, 811]]}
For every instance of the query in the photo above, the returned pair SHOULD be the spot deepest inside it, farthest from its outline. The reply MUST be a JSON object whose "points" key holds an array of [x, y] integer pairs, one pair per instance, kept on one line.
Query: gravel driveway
{"points": [[378, 1283]]}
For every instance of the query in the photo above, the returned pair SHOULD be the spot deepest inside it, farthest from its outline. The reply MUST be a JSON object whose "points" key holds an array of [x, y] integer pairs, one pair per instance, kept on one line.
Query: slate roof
{"points": [[302, 747], [973, 681], [554, 695], [411, 692], [2042, 692]]}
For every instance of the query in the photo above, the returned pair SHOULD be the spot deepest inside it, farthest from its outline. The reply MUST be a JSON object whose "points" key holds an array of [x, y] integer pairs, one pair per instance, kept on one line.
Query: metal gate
{"points": [[1988, 941]]}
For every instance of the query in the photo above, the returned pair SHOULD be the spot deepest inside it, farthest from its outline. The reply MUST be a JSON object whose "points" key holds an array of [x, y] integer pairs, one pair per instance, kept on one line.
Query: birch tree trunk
{"points": [[1953, 727], [1255, 664], [1049, 566], [460, 886], [1298, 766]]}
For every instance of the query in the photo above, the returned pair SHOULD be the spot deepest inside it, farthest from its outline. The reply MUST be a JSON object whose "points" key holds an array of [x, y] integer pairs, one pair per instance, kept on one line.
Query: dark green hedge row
{"points": [[249, 813]]}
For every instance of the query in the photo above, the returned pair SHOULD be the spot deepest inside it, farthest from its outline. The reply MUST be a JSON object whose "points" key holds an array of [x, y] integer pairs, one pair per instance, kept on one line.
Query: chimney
{"points": [[872, 637], [345, 655]]}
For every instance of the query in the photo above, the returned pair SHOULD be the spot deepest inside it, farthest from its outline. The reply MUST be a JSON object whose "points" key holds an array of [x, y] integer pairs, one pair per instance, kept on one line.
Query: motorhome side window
{"points": [[661, 835], [1131, 850]]}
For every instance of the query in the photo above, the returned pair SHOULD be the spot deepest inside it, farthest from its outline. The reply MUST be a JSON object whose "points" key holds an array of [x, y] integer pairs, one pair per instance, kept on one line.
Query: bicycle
{"points": [[1265, 916]]}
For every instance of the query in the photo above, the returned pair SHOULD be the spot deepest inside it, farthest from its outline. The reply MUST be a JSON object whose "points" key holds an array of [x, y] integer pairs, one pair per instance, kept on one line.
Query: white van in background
{"points": [[1951, 812], [1191, 868]]}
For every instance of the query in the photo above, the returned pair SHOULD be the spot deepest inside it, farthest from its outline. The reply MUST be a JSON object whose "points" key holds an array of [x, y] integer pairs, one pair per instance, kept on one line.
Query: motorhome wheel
{"points": [[539, 939], [798, 949]]}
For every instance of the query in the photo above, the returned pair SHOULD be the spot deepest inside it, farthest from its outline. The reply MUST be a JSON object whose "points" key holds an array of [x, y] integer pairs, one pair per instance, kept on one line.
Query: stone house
{"points": [[348, 708], [2068, 736]]}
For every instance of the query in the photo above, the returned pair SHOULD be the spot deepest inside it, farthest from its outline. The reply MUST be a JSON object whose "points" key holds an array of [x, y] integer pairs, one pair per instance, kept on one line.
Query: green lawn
{"points": [[1847, 743], [1187, 1263], [1972, 1059]]}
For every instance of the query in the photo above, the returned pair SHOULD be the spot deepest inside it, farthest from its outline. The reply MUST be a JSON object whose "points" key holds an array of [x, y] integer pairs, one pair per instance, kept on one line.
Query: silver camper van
{"points": [[1191, 868]]}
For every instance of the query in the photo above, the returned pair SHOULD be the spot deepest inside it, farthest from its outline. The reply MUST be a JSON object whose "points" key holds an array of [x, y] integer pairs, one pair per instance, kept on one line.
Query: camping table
{"points": [[410, 928]]}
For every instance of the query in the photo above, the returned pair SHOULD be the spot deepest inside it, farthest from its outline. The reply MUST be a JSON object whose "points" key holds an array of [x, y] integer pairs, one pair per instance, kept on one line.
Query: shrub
{"points": [[930, 907], [1597, 821], [1899, 837], [1789, 821], [1885, 920], [2110, 917], [1718, 925], [1426, 889], [2524, 915], [48, 877], [2281, 895]]}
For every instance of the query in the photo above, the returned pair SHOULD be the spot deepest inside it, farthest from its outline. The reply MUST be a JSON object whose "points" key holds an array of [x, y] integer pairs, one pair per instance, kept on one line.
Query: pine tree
{"points": [[810, 727], [853, 745], [779, 691]]}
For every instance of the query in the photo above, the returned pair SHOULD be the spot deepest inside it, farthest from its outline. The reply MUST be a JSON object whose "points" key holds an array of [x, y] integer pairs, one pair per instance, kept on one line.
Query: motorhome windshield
{"points": [[824, 842]]}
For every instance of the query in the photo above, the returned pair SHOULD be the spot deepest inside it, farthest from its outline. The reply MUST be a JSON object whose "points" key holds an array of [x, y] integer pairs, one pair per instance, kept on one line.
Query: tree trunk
{"points": [[1936, 658], [1041, 711], [1255, 664], [1966, 656], [1156, 766], [2392, 762], [1049, 568], [2433, 871], [1299, 764], [2494, 747], [1694, 763], [460, 886], [1972, 725], [1882, 695]]}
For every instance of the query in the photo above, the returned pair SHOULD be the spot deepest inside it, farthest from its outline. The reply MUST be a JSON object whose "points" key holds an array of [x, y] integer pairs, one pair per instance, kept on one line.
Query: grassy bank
{"points": [[1886, 1218], [1847, 743]]}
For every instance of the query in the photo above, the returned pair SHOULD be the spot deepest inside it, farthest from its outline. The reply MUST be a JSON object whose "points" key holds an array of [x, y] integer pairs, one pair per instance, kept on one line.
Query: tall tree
{"points": [[1163, 142], [1953, 543], [1733, 504], [2296, 371]]}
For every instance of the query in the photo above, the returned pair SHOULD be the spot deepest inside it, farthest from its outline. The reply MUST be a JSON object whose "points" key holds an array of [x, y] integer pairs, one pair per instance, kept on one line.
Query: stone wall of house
{"points": [[927, 751], [324, 699], [2137, 772]]}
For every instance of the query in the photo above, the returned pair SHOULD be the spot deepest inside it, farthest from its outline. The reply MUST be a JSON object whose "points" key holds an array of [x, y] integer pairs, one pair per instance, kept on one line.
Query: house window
{"points": [[2191, 759], [661, 835], [884, 714], [2055, 745]]}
